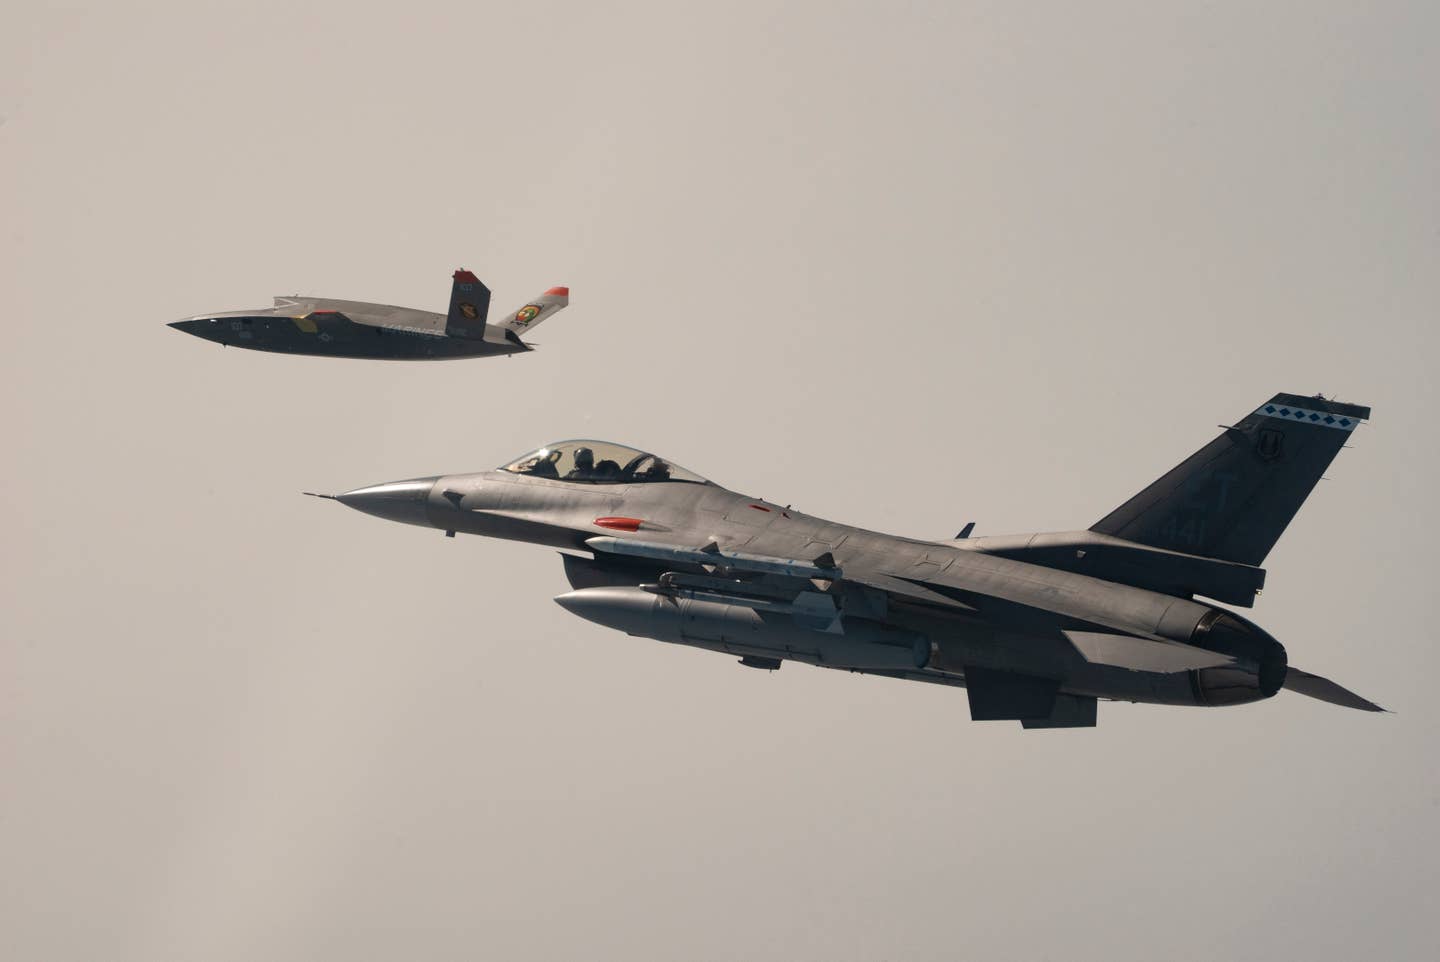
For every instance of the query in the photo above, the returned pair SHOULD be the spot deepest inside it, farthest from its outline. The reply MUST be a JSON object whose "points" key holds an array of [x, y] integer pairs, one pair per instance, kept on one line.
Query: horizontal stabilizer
{"points": [[1143, 654], [1304, 683]]}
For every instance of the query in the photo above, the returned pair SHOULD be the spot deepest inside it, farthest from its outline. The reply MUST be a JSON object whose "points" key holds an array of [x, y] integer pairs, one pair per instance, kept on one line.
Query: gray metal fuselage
{"points": [[1037, 628], [976, 610], [331, 328]]}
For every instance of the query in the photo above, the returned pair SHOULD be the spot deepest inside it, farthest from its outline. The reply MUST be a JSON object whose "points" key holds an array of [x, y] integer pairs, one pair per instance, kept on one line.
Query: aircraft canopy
{"points": [[599, 462]]}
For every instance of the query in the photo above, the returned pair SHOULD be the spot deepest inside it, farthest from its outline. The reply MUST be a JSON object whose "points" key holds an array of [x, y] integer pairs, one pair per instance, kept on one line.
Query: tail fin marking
{"points": [[469, 306], [1234, 497], [534, 312]]}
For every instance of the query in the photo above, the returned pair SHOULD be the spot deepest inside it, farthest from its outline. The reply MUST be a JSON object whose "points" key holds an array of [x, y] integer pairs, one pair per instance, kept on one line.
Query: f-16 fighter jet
{"points": [[1037, 628], [322, 325]]}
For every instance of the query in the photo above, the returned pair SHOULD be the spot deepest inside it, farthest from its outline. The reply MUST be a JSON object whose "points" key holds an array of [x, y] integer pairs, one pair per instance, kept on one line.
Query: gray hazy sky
{"points": [[903, 265]]}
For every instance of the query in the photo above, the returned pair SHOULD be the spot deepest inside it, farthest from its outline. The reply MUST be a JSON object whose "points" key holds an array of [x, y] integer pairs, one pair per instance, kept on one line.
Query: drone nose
{"points": [[402, 501], [205, 328]]}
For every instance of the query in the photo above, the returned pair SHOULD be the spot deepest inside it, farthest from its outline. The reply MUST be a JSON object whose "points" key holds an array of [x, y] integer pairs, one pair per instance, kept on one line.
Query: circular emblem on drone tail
{"points": [[468, 310], [527, 313]]}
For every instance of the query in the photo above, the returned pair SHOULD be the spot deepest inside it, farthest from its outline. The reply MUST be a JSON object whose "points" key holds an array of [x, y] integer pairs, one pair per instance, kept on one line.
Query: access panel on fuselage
{"points": [[753, 514], [785, 532]]}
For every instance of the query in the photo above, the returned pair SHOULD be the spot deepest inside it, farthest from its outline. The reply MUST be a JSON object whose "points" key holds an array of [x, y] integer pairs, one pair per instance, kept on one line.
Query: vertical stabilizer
{"points": [[1233, 498], [469, 305]]}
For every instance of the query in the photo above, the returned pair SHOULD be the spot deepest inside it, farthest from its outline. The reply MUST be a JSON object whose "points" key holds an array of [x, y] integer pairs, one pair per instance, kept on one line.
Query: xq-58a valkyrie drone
{"points": [[1037, 628], [325, 326]]}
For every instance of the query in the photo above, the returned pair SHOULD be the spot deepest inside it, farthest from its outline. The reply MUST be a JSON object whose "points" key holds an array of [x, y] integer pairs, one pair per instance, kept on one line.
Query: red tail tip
{"points": [[465, 277], [559, 291]]}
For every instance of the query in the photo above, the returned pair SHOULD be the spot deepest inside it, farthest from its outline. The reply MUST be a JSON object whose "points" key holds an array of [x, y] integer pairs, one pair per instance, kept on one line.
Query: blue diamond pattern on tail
{"points": [[1318, 418]]}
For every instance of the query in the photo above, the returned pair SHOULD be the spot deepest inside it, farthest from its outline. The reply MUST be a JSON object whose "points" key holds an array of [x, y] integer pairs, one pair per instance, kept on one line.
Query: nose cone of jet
{"points": [[201, 327], [403, 501]]}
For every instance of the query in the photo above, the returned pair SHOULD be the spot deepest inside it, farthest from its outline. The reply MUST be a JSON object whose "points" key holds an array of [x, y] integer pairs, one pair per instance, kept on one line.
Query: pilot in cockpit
{"points": [[584, 469], [598, 462], [655, 470]]}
